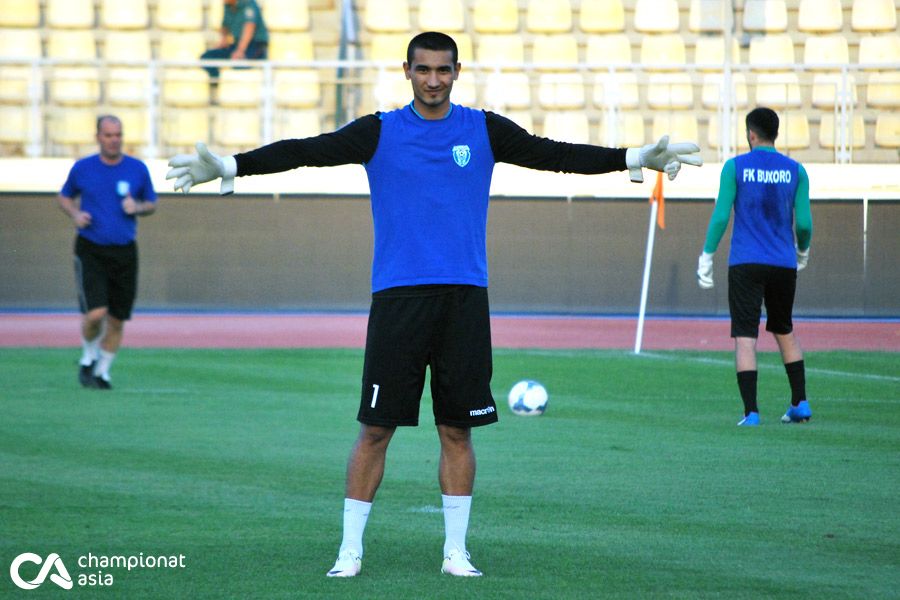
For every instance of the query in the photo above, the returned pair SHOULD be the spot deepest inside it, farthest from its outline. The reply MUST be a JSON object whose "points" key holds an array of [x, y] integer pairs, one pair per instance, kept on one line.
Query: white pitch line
{"points": [[829, 372]]}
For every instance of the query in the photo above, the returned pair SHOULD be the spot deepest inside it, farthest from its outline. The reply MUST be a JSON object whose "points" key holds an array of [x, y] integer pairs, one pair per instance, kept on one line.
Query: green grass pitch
{"points": [[635, 483]]}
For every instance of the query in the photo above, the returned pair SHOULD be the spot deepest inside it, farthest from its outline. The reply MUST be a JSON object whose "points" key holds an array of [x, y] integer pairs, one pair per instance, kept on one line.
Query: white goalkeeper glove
{"points": [[705, 271], [802, 258], [189, 170], [661, 156]]}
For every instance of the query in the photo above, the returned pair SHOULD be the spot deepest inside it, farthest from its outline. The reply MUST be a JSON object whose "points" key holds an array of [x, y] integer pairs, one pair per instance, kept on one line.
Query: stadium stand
{"points": [[833, 61]]}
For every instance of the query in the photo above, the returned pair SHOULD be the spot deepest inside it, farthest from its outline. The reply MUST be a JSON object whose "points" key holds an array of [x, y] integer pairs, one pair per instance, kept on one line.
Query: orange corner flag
{"points": [[658, 196]]}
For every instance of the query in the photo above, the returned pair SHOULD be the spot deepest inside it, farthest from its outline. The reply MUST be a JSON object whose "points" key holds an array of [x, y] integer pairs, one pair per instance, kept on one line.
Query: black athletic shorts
{"points": [[106, 276], [751, 284], [444, 327]]}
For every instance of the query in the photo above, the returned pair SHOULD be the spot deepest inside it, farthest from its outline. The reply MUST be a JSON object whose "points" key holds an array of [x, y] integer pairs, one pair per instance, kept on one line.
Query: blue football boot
{"points": [[797, 414], [751, 420]]}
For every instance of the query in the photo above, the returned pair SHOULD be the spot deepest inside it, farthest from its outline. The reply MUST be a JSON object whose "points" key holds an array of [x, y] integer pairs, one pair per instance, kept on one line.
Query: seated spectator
{"points": [[244, 34]]}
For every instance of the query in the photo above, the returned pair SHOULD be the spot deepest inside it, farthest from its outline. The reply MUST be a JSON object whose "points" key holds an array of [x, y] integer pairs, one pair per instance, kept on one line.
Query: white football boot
{"points": [[348, 564], [457, 563]]}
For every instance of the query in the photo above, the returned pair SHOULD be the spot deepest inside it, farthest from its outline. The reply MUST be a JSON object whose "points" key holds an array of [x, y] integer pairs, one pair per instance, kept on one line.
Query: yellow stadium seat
{"points": [[622, 130], [602, 16], [75, 14], [442, 15], [181, 45], [793, 132], [707, 16], [883, 90], [561, 90], [184, 127], [522, 118], [679, 126], [873, 15], [124, 14], [619, 90], [291, 47], [709, 52], [297, 124], [771, 52], [135, 131], [16, 125], [656, 16], [607, 50], [663, 52], [185, 87], [465, 90], [20, 13], [670, 91], [127, 84], [778, 90], [464, 46], [73, 84], [548, 16], [826, 88], [831, 50], [389, 47], [240, 88], [567, 126], [286, 15], [875, 51], [887, 130], [385, 16], [495, 16], [215, 11], [855, 132], [392, 90], [507, 90], [237, 128], [768, 16], [72, 126], [179, 14], [507, 51], [559, 48], [821, 16], [738, 134], [18, 81], [297, 87], [712, 92]]}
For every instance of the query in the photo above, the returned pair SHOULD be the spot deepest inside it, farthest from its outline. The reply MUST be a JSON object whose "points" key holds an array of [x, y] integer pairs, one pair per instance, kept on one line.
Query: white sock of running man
{"points": [[89, 351], [456, 521], [356, 513], [104, 362]]}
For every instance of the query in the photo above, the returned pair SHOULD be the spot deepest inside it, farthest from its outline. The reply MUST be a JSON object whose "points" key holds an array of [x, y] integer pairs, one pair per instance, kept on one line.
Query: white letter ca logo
{"points": [[461, 155], [61, 579]]}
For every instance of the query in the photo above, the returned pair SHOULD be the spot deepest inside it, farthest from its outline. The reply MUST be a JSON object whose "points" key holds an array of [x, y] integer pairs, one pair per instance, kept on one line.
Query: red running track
{"points": [[224, 330]]}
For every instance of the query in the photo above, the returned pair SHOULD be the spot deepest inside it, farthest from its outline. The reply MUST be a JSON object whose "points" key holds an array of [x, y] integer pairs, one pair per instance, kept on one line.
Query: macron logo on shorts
{"points": [[482, 411]]}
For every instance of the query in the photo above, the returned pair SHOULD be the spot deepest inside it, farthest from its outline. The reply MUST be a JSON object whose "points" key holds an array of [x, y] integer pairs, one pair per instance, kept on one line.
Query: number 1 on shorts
{"points": [[374, 395]]}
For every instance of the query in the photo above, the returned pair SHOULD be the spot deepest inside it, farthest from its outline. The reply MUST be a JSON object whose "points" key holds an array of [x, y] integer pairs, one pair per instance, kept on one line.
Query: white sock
{"points": [[104, 362], [456, 521], [89, 351], [356, 513]]}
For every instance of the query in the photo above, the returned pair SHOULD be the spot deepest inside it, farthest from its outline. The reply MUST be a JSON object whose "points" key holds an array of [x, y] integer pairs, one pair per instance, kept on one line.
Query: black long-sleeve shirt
{"points": [[356, 143]]}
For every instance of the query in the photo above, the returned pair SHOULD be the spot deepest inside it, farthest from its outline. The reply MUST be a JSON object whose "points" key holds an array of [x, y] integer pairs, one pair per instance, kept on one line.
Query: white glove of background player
{"points": [[802, 258], [189, 170], [661, 156], [704, 271]]}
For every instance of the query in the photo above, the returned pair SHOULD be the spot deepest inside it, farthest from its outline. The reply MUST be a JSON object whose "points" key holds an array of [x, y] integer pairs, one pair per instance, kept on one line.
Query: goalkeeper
{"points": [[770, 194], [429, 166]]}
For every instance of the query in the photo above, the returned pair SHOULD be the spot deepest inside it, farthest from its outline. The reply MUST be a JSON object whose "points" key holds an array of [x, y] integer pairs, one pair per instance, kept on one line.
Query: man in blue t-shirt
{"points": [[429, 167], [770, 196], [112, 190]]}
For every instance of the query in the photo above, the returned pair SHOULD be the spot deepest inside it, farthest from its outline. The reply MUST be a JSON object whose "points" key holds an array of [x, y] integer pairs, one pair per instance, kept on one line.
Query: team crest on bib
{"points": [[461, 155]]}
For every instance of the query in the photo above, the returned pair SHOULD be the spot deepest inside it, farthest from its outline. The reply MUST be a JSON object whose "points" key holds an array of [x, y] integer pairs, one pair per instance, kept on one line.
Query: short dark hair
{"points": [[432, 40], [102, 118], [763, 122]]}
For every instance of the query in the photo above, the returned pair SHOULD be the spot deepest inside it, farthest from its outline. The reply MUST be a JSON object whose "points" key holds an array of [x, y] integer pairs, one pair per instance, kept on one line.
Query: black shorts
{"points": [[751, 284], [106, 276], [444, 327]]}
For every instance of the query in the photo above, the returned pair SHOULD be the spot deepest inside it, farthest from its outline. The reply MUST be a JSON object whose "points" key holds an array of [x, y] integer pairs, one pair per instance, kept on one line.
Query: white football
{"points": [[528, 398]]}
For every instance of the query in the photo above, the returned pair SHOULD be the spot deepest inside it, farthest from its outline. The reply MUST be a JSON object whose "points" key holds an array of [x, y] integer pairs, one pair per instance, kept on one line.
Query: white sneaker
{"points": [[348, 564], [457, 563]]}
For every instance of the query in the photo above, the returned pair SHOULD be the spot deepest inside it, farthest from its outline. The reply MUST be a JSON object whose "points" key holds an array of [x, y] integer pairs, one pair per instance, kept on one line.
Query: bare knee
{"points": [[374, 436], [455, 436]]}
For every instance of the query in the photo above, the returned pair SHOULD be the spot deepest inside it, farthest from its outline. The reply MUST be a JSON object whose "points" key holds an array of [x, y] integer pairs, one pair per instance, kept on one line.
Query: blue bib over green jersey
{"points": [[430, 182], [764, 209]]}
